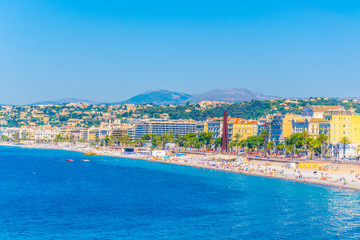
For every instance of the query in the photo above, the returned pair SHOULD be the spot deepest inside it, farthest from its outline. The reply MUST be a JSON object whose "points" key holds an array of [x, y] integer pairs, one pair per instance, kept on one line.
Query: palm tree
{"points": [[125, 139], [289, 149], [112, 140], [97, 140], [314, 146], [159, 144], [237, 137], [280, 146], [139, 142], [324, 140], [269, 146], [345, 141], [264, 134]]}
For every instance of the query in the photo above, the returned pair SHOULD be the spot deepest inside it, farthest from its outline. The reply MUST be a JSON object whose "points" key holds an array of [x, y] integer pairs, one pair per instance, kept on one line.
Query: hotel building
{"points": [[337, 125], [161, 126]]}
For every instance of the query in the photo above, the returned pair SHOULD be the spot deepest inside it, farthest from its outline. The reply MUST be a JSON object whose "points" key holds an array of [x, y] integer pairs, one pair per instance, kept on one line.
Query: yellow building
{"points": [[311, 126], [311, 116], [339, 124], [287, 124], [240, 129], [314, 127], [93, 134], [206, 128]]}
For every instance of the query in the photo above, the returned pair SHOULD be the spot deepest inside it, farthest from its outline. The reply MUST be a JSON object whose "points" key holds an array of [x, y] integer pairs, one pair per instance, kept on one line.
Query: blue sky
{"points": [[112, 50]]}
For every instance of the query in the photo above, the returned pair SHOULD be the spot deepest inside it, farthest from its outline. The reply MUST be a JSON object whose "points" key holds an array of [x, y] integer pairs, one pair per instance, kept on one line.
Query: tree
{"points": [[97, 140], [25, 136], [280, 146], [58, 138], [125, 139], [289, 149], [4, 138], [206, 138], [270, 146], [139, 142], [108, 141], [158, 143], [265, 135], [345, 141], [217, 142], [314, 146], [237, 137], [324, 140], [254, 141]]}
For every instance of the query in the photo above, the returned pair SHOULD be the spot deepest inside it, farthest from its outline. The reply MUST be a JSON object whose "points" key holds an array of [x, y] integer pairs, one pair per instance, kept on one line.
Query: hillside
{"points": [[65, 101], [231, 95], [159, 97], [165, 97]]}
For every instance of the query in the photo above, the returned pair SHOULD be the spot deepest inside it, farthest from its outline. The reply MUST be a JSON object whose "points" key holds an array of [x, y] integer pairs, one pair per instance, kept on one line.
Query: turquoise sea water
{"points": [[42, 196]]}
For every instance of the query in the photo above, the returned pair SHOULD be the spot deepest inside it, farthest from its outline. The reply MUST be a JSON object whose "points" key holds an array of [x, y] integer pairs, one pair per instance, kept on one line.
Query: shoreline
{"points": [[254, 168]]}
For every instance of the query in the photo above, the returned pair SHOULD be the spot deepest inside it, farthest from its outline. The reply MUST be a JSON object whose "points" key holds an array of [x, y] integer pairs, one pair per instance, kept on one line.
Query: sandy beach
{"points": [[334, 174]]}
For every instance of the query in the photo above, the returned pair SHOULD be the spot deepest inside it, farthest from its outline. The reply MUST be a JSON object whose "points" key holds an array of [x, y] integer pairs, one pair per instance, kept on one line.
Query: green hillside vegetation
{"points": [[248, 110], [93, 115]]}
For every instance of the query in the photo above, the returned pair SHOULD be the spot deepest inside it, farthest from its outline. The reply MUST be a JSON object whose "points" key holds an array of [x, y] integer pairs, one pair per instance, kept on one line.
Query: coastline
{"points": [[266, 169]]}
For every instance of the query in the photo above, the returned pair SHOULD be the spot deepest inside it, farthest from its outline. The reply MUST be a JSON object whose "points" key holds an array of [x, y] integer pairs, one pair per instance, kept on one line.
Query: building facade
{"points": [[242, 129], [161, 126], [337, 125]]}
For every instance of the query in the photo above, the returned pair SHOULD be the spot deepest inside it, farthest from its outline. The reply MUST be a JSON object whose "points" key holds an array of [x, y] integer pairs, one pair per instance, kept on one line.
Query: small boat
{"points": [[85, 160], [69, 160]]}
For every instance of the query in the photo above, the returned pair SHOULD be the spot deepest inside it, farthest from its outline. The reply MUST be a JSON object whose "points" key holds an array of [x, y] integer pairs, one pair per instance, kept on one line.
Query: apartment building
{"points": [[337, 125], [242, 129], [238, 128], [161, 126]]}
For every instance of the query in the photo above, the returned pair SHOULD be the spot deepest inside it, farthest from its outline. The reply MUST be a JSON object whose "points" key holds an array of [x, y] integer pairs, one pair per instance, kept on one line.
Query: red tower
{"points": [[225, 134]]}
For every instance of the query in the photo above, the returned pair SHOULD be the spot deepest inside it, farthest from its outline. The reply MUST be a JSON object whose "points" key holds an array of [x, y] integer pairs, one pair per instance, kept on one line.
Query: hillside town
{"points": [[319, 131]]}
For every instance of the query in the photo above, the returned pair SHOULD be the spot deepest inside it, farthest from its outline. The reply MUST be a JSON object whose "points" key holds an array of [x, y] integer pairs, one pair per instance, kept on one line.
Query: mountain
{"points": [[229, 95], [347, 98], [65, 101], [158, 96], [166, 97]]}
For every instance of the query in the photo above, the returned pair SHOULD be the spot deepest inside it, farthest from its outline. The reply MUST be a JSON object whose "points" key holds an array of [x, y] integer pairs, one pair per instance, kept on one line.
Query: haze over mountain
{"points": [[165, 97], [158, 96], [65, 101], [231, 95]]}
